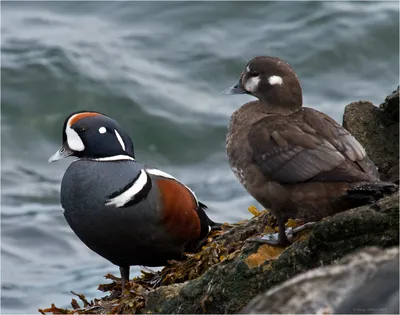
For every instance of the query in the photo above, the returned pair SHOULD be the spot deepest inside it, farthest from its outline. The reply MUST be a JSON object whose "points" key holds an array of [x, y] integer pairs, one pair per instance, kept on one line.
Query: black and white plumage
{"points": [[127, 212]]}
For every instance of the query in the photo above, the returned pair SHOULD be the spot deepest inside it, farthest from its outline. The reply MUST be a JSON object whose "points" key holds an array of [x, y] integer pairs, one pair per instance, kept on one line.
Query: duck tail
{"points": [[371, 191], [213, 225]]}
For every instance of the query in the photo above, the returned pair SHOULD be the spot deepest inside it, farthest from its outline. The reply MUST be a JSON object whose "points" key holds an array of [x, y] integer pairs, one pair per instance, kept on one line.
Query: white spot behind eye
{"points": [[275, 79], [247, 69], [102, 130], [75, 142], [120, 139], [251, 84]]}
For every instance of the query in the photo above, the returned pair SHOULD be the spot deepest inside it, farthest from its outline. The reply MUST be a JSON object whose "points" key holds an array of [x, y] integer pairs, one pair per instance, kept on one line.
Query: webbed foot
{"points": [[284, 236]]}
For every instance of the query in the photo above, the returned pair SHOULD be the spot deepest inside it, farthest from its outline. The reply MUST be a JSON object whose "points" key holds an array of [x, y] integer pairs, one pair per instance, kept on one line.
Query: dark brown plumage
{"points": [[295, 161]]}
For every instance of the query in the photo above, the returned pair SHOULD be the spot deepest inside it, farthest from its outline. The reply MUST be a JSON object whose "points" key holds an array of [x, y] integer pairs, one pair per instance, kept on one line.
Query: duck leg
{"points": [[124, 270], [283, 237]]}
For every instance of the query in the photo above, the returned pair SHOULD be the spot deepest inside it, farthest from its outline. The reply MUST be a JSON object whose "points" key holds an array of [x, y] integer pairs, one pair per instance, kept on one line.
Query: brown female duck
{"points": [[296, 161]]}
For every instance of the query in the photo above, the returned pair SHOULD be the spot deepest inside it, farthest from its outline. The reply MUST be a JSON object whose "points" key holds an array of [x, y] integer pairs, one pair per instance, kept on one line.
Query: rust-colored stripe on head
{"points": [[74, 119], [180, 217]]}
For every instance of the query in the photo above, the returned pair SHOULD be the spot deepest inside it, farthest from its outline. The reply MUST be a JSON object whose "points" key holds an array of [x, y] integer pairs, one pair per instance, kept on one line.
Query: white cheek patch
{"points": [[275, 80], [102, 130], [121, 142], [252, 84], [128, 195], [74, 141]]}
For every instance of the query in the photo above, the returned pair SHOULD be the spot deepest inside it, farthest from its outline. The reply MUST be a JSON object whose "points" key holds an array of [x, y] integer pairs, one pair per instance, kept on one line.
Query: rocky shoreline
{"points": [[231, 275]]}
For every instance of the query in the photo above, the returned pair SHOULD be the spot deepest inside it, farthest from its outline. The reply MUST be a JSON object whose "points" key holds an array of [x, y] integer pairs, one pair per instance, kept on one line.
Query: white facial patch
{"points": [[75, 142], [120, 140], [247, 69], [102, 130], [128, 195], [275, 79], [252, 84]]}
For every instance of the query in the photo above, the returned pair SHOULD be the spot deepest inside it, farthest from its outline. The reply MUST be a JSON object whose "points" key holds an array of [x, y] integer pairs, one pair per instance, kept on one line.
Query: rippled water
{"points": [[159, 69]]}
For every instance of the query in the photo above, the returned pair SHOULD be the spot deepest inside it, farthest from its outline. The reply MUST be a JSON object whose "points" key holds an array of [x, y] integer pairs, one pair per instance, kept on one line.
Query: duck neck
{"points": [[282, 100], [281, 109]]}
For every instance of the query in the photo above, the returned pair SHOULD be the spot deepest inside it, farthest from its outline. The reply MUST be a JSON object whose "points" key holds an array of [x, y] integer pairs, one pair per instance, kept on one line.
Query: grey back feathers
{"points": [[100, 182]]}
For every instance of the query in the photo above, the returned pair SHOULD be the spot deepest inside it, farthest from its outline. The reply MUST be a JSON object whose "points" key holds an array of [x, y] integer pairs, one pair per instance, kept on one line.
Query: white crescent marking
{"points": [[129, 194], [75, 142]]}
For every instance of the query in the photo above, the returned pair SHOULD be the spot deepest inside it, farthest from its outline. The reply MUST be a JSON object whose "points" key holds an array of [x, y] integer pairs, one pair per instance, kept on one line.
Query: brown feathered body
{"points": [[299, 165]]}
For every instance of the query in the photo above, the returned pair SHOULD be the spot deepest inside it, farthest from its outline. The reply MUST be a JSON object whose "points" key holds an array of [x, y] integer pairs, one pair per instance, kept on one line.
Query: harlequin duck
{"points": [[125, 211], [296, 161]]}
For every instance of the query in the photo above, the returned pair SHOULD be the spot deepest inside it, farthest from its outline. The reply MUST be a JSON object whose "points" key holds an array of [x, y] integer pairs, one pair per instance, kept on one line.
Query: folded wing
{"points": [[308, 147]]}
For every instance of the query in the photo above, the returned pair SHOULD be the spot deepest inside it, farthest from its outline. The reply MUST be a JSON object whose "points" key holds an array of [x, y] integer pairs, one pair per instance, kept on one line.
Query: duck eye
{"points": [[82, 129], [254, 74]]}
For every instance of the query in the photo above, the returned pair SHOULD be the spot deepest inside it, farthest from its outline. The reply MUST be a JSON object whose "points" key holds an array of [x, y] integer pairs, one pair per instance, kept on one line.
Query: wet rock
{"points": [[377, 295], [336, 289], [377, 128]]}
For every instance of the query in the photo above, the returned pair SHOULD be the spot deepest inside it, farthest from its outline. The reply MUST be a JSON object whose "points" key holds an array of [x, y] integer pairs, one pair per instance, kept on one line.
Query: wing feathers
{"points": [[302, 148]]}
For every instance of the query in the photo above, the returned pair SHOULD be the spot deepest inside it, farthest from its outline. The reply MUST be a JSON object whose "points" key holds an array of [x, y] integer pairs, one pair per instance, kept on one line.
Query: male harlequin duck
{"points": [[127, 212], [296, 161]]}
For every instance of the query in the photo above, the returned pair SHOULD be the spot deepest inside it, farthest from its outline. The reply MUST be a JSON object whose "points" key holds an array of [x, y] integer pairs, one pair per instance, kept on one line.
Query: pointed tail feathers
{"points": [[372, 191], [213, 225]]}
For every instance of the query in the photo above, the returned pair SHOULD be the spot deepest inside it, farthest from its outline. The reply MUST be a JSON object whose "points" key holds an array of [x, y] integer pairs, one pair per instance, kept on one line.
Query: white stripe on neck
{"points": [[114, 158], [126, 196]]}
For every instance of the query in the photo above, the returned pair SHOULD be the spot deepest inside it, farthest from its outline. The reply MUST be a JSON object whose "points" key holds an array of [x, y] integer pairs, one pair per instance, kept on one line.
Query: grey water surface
{"points": [[159, 69]]}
